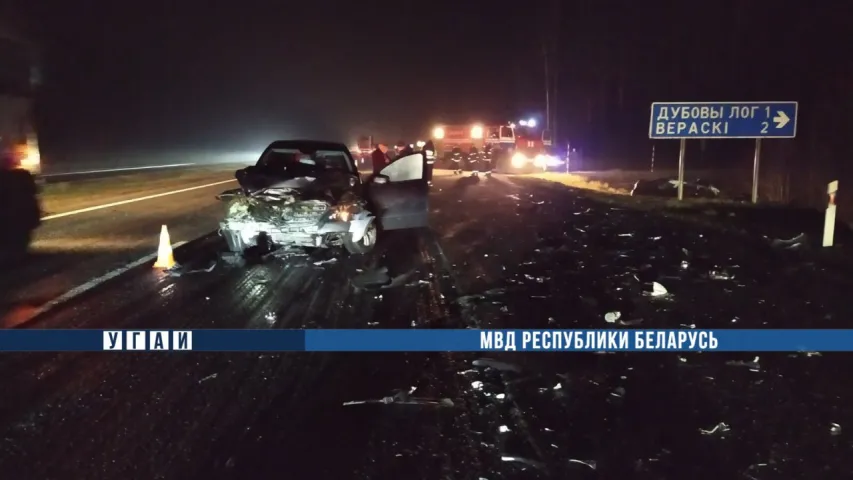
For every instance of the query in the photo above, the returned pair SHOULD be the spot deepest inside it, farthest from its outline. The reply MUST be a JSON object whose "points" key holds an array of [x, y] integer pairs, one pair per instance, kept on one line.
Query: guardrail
{"points": [[113, 170]]}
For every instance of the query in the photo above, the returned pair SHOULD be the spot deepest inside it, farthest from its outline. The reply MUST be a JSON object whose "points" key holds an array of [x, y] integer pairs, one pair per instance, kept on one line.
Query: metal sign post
{"points": [[681, 151], [718, 120]]}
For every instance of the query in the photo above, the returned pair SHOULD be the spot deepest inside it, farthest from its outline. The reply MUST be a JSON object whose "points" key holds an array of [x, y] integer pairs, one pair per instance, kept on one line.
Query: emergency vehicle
{"points": [[447, 137], [531, 149]]}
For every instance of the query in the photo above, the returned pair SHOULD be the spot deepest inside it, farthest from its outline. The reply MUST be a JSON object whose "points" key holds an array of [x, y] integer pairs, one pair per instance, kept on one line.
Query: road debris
{"points": [[718, 429], [179, 270], [496, 364]]}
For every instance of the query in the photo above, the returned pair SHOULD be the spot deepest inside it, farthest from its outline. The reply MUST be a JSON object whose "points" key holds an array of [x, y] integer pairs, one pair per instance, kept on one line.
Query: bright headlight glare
{"points": [[519, 160], [438, 133], [341, 214]]}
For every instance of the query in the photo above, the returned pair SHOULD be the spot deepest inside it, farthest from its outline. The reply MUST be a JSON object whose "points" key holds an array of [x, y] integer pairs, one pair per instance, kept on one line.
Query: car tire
{"points": [[365, 245]]}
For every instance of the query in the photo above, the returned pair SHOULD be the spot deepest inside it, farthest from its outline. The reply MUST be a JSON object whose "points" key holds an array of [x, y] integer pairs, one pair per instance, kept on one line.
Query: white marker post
{"points": [[652, 169], [829, 219], [568, 157], [681, 151]]}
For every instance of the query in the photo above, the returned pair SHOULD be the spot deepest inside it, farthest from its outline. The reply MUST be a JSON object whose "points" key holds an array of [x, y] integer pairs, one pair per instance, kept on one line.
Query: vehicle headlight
{"points": [[477, 131], [541, 161], [519, 160], [341, 214], [28, 155], [438, 133]]}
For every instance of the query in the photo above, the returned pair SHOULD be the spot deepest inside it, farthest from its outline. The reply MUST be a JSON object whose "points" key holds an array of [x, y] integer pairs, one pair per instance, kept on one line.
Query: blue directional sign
{"points": [[678, 120]]}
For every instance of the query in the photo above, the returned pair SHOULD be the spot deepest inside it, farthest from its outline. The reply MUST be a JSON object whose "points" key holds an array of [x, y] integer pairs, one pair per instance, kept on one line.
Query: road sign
{"points": [[688, 120]]}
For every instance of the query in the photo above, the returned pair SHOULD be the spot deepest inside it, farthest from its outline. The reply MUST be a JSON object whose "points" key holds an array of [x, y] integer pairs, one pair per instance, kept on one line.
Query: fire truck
{"points": [[448, 137], [531, 150]]}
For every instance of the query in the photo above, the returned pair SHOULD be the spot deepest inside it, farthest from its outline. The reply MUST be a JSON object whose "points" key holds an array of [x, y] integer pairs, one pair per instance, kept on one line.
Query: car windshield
{"points": [[527, 132], [283, 158]]}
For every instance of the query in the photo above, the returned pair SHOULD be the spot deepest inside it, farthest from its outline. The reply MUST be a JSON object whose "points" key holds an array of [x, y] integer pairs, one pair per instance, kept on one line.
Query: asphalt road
{"points": [[68, 251], [502, 252]]}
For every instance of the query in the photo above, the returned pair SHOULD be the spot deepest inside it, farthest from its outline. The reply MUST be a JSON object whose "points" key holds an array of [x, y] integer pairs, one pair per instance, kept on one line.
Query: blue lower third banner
{"points": [[426, 340]]}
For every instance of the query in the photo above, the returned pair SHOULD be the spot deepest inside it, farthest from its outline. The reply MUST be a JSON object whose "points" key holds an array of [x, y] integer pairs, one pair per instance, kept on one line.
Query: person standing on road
{"points": [[429, 159], [379, 158]]}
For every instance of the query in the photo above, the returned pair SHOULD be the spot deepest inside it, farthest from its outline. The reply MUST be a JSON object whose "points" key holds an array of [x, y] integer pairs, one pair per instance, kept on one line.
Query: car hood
{"points": [[280, 198], [296, 183]]}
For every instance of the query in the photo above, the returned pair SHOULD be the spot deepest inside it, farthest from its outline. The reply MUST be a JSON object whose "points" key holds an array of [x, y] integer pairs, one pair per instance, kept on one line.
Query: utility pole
{"points": [[556, 14], [547, 86], [551, 62]]}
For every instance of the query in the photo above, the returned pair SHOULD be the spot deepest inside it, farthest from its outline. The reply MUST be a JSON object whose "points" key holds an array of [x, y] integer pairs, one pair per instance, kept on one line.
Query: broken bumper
{"points": [[244, 234]]}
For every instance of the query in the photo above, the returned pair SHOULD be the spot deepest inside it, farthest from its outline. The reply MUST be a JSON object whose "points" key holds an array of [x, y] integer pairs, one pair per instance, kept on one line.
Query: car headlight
{"points": [[541, 161], [340, 214], [519, 160]]}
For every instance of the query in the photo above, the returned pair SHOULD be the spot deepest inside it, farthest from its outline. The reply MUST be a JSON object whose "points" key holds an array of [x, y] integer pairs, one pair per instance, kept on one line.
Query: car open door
{"points": [[400, 194]]}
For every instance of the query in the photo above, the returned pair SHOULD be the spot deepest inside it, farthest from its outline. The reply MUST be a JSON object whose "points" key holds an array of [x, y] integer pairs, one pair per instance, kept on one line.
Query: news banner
{"points": [[439, 340]]}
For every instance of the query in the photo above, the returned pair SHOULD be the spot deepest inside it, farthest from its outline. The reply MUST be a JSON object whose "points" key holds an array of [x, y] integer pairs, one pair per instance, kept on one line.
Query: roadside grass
{"points": [[765, 219]]}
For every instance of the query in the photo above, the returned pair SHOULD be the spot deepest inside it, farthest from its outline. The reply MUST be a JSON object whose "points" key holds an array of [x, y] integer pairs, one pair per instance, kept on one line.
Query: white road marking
{"points": [[132, 200], [81, 289], [127, 169]]}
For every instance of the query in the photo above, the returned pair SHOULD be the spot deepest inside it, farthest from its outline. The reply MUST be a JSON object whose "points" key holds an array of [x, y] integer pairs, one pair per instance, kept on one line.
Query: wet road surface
{"points": [[503, 252], [70, 250]]}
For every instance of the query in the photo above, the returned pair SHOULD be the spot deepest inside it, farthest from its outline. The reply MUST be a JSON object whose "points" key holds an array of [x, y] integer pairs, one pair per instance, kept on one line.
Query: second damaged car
{"points": [[304, 193]]}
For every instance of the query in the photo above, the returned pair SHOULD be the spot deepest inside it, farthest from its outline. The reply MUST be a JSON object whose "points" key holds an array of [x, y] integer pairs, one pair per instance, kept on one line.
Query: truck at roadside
{"points": [[20, 158]]}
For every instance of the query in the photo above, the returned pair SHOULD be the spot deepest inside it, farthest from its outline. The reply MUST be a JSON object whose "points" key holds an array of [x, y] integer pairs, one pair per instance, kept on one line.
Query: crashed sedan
{"points": [[304, 193]]}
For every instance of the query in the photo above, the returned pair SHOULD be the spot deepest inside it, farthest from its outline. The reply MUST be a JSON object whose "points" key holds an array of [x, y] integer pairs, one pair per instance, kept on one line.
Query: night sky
{"points": [[222, 74]]}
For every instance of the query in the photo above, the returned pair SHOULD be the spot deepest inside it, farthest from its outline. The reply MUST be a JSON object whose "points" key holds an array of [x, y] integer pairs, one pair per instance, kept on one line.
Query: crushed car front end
{"points": [[275, 218]]}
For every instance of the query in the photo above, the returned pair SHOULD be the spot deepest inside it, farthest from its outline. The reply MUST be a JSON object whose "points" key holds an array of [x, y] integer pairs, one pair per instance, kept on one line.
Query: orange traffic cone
{"points": [[165, 257]]}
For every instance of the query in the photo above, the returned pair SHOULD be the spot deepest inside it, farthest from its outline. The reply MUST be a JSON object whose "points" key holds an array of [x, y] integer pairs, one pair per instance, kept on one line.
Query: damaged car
{"points": [[304, 193], [668, 187]]}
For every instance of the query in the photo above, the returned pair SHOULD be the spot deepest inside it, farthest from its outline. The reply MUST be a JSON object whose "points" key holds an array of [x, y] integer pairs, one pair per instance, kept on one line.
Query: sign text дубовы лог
{"points": [[676, 120]]}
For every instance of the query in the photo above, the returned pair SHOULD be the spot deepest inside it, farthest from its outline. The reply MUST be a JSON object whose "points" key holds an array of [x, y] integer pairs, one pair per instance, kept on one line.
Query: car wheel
{"points": [[366, 244]]}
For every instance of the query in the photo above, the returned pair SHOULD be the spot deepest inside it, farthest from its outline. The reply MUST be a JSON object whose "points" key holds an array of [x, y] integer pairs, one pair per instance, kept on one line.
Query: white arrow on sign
{"points": [[781, 119]]}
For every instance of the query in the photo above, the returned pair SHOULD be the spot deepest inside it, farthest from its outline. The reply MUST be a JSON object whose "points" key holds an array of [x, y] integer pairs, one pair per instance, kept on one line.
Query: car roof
{"points": [[308, 145]]}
